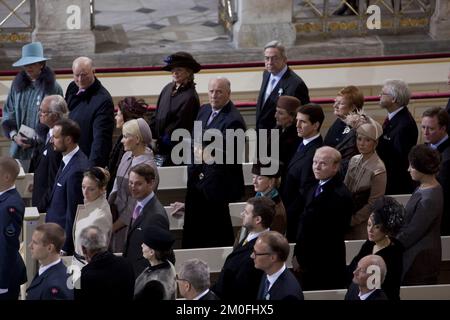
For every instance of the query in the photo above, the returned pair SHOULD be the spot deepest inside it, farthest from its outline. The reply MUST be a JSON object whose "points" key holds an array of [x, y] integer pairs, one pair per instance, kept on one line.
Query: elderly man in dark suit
{"points": [[92, 107], [319, 253], [435, 123], [239, 279], [147, 212], [51, 281], [45, 160], [299, 174], [66, 194], [12, 209], [269, 254], [368, 277], [193, 281], [399, 136], [106, 277], [213, 182], [278, 80]]}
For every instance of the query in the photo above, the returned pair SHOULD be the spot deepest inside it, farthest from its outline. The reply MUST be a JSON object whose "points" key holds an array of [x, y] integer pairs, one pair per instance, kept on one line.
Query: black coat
{"points": [[239, 279], [288, 144], [335, 133], [299, 176], [444, 179], [211, 187], [353, 291], [153, 214], [320, 247], [290, 84], [286, 287], [12, 267], [93, 110], [44, 164], [209, 296], [398, 138], [107, 278], [174, 112], [51, 285]]}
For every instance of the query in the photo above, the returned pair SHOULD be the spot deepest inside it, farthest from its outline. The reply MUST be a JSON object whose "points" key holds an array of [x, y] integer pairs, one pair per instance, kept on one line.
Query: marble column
{"points": [[64, 27], [260, 21], [440, 21]]}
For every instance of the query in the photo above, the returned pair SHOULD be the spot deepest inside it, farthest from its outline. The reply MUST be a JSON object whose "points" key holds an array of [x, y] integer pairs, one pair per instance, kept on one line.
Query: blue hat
{"points": [[31, 53]]}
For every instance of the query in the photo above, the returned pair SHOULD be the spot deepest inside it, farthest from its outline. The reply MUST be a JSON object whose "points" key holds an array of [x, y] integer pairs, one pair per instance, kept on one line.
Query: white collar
{"points": [[365, 295], [274, 276], [308, 140], [393, 113], [42, 269], [279, 74], [435, 146], [2, 192], [146, 200], [204, 293], [70, 155], [252, 235]]}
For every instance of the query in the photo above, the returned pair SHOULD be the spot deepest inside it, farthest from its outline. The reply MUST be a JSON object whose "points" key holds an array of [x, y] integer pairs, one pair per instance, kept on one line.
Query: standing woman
{"points": [[136, 138], [30, 86], [365, 178], [157, 281], [420, 235], [95, 211], [129, 108], [178, 103]]}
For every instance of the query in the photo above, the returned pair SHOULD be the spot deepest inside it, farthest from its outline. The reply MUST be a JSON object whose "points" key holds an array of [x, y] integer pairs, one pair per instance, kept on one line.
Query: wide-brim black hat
{"points": [[181, 59], [158, 238]]}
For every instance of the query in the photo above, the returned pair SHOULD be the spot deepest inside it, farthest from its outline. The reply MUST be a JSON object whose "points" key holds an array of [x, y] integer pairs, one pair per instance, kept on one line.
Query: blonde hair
{"points": [[131, 127]]}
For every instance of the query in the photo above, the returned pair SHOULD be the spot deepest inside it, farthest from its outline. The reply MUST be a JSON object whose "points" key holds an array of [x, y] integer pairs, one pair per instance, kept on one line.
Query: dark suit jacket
{"points": [[12, 267], [93, 110], [399, 136], [153, 214], [210, 187], [290, 84], [286, 287], [66, 196], [288, 144], [299, 177], [107, 278], [320, 247], [44, 164], [239, 279], [444, 179], [335, 133], [209, 296], [51, 285], [353, 291]]}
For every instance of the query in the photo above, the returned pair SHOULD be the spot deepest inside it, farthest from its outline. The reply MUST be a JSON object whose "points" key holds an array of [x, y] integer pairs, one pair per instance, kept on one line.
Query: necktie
{"points": [[211, 117], [265, 295], [136, 212], [269, 88], [60, 170], [47, 139], [386, 122], [301, 147], [318, 190]]}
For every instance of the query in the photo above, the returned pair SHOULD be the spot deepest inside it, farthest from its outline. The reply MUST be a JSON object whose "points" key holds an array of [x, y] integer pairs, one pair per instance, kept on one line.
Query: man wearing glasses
{"points": [[45, 160], [399, 136], [269, 254], [278, 80], [193, 281]]}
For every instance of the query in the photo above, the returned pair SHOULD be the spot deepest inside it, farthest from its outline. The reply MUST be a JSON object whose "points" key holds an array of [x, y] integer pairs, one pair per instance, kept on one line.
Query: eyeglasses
{"points": [[385, 94], [273, 58], [44, 112], [261, 254], [180, 279]]}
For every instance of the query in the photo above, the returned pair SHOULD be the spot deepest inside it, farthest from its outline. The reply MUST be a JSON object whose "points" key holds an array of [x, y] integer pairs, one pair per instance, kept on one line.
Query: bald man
{"points": [[91, 106], [319, 253], [368, 277], [211, 187]]}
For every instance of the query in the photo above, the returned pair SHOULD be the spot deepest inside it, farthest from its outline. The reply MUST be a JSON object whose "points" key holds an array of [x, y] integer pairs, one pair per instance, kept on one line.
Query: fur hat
{"points": [[158, 238], [181, 59]]}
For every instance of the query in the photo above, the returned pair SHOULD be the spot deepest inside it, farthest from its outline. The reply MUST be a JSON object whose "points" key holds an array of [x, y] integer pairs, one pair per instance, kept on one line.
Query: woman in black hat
{"points": [[158, 281], [177, 105], [384, 223]]}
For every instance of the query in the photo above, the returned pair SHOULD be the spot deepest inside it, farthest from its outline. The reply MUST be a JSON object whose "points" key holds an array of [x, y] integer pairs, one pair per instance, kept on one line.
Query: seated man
{"points": [[270, 253], [368, 277], [51, 281], [193, 281]]}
